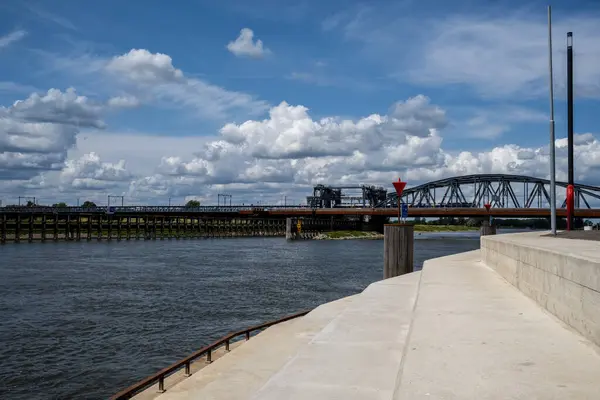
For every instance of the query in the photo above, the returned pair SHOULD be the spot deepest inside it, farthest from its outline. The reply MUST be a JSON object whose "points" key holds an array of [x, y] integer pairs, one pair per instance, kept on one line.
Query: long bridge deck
{"points": [[276, 211]]}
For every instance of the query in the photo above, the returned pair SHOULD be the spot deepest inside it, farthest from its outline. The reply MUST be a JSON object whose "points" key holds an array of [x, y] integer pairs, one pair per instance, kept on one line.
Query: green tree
{"points": [[88, 204], [192, 203], [61, 204]]}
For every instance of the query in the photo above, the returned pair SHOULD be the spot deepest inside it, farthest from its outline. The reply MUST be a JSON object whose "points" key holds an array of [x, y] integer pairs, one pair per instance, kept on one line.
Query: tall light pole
{"points": [[571, 181], [552, 138]]}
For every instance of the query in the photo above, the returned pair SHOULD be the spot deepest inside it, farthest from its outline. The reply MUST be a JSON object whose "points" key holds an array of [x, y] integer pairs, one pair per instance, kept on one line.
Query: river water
{"points": [[84, 320]]}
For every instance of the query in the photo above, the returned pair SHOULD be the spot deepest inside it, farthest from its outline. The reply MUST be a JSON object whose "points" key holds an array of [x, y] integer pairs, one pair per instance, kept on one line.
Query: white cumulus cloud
{"points": [[154, 76], [246, 46], [290, 132], [123, 102], [142, 66], [36, 133], [89, 172]]}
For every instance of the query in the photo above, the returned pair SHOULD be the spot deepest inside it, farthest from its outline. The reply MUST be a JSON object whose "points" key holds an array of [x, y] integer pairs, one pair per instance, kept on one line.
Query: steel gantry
{"points": [[498, 190], [325, 196]]}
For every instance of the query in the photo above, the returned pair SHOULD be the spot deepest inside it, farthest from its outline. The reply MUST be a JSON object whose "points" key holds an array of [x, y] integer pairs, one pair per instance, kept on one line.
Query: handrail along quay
{"points": [[160, 376]]}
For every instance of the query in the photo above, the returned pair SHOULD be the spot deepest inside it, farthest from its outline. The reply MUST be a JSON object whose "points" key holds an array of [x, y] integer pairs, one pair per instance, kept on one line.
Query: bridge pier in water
{"points": [[307, 228]]}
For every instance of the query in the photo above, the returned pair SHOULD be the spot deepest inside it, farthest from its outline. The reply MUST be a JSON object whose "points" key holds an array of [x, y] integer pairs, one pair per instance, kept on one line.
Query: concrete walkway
{"points": [[475, 336], [456, 330]]}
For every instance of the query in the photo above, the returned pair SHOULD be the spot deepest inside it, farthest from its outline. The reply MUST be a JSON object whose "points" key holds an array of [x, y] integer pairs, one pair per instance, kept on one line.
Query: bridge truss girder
{"points": [[498, 190]]}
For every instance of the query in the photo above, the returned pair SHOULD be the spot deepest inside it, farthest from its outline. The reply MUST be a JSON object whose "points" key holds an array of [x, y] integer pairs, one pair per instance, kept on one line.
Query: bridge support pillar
{"points": [[487, 229], [376, 223], [398, 249], [289, 234]]}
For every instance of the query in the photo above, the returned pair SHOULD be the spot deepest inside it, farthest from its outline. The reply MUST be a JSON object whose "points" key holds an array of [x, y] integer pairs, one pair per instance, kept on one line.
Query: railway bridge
{"points": [[510, 196], [498, 190]]}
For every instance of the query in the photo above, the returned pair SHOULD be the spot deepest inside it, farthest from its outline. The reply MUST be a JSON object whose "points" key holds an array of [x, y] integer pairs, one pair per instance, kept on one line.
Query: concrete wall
{"points": [[564, 282]]}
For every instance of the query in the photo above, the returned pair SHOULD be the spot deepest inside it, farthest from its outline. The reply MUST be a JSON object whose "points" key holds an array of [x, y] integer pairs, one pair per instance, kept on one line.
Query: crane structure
{"points": [[325, 196]]}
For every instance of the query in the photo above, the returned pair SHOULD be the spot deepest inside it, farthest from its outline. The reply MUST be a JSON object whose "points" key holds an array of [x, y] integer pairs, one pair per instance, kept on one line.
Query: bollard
{"points": [[398, 249], [487, 229]]}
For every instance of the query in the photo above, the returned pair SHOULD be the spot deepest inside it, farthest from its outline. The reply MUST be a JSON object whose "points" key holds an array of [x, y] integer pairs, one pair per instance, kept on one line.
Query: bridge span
{"points": [[297, 211], [498, 190], [428, 212]]}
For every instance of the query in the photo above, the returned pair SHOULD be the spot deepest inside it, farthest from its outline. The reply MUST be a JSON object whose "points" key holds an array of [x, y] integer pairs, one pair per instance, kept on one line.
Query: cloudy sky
{"points": [[264, 99]]}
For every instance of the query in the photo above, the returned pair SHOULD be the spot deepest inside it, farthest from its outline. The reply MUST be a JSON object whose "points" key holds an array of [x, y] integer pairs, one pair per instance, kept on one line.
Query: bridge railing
{"points": [[145, 209], [186, 362]]}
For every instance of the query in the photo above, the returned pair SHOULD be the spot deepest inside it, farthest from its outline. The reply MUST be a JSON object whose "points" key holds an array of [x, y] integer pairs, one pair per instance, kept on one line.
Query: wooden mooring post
{"points": [[398, 249]]}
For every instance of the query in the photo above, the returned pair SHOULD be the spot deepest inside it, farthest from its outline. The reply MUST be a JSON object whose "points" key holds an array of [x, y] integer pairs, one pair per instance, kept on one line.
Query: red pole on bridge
{"points": [[399, 186]]}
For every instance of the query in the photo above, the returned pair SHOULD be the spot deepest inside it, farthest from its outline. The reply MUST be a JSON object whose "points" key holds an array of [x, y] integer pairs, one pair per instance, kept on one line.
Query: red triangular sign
{"points": [[399, 186], [487, 206]]}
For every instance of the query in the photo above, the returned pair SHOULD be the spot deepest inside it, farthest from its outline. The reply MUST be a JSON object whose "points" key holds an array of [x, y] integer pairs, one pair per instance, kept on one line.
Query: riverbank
{"points": [[348, 235], [445, 228]]}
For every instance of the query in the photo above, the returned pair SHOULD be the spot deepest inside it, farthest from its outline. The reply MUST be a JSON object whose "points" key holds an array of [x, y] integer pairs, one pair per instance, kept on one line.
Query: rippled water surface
{"points": [[84, 320]]}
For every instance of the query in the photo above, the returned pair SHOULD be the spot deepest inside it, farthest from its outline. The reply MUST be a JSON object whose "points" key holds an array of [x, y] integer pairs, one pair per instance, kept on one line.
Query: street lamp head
{"points": [[569, 39]]}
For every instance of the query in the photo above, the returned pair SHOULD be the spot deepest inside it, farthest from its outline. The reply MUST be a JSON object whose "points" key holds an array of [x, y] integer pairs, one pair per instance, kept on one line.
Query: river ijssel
{"points": [[84, 320]]}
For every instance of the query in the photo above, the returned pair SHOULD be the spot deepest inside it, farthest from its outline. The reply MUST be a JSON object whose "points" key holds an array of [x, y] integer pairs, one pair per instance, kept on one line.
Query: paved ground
{"points": [[581, 235], [456, 330], [475, 336]]}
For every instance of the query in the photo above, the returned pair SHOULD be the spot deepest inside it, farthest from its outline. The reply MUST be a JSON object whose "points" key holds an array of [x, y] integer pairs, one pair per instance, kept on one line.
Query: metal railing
{"points": [[145, 209], [186, 362]]}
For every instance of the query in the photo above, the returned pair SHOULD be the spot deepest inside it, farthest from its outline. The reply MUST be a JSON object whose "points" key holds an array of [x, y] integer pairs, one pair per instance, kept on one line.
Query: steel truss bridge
{"points": [[498, 190]]}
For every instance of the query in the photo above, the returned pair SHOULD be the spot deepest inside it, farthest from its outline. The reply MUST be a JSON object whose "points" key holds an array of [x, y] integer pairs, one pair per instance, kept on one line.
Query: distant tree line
{"points": [[192, 203], [449, 221], [532, 223]]}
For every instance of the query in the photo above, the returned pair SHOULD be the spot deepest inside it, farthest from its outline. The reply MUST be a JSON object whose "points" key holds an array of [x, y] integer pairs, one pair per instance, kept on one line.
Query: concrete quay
{"points": [[501, 323], [562, 275]]}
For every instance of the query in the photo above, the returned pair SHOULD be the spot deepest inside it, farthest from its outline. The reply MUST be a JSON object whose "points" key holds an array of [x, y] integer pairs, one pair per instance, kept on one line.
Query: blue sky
{"points": [[159, 83]]}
